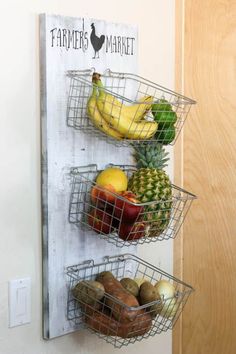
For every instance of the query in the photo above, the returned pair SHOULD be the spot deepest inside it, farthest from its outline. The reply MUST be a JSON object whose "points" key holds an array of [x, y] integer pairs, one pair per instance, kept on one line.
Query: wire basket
{"points": [[147, 102], [107, 317], [119, 220]]}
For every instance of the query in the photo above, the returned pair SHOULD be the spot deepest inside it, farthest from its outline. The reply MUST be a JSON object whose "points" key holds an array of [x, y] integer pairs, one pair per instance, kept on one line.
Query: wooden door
{"points": [[206, 165]]}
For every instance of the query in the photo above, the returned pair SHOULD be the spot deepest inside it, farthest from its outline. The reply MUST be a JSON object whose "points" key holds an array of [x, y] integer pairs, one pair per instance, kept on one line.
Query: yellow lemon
{"points": [[114, 176]]}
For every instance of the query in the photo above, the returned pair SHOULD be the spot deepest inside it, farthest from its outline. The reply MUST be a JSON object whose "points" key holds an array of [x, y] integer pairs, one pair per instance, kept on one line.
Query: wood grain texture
{"points": [[209, 169], [178, 164]]}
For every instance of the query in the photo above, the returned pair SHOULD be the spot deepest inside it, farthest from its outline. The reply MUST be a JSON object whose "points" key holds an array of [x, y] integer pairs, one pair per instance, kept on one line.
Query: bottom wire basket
{"points": [[108, 309]]}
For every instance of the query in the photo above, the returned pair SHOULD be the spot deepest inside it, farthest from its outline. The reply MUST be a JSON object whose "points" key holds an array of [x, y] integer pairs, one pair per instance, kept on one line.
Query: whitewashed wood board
{"points": [[64, 147]]}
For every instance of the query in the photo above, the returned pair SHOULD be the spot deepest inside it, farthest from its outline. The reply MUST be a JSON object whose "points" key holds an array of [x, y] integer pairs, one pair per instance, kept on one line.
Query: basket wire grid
{"points": [[155, 221], [131, 266], [128, 89]]}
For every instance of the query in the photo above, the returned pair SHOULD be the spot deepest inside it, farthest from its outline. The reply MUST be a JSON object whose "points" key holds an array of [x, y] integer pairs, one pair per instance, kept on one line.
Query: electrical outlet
{"points": [[19, 292]]}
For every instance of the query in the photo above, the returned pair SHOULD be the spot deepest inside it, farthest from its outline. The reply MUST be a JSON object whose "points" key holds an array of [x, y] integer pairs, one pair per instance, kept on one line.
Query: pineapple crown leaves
{"points": [[151, 156]]}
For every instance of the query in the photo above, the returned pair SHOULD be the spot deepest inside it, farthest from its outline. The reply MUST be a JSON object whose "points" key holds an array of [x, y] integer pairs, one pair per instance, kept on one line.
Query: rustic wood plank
{"points": [[62, 148]]}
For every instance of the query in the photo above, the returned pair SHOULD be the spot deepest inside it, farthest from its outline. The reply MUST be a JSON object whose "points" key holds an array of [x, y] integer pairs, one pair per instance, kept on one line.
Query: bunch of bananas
{"points": [[117, 120]]}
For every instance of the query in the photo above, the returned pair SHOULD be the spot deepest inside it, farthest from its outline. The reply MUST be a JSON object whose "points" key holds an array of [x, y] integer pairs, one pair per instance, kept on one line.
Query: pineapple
{"points": [[151, 184]]}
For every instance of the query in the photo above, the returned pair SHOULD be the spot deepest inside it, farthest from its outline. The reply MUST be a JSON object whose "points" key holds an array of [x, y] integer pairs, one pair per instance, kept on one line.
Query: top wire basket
{"points": [[115, 315], [125, 108]]}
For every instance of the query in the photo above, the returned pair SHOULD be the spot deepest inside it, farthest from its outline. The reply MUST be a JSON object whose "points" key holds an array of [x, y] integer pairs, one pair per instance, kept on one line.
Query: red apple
{"points": [[115, 222], [103, 196], [127, 211], [129, 232], [100, 221]]}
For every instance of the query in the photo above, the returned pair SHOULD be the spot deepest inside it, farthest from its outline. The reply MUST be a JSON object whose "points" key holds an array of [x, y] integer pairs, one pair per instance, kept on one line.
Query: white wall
{"points": [[20, 221]]}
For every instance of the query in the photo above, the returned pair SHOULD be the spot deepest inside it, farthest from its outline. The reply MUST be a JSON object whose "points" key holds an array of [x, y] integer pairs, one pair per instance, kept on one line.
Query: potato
{"points": [[148, 293], [88, 291], [130, 285], [139, 281], [105, 324], [91, 310], [119, 311], [104, 275], [155, 309]]}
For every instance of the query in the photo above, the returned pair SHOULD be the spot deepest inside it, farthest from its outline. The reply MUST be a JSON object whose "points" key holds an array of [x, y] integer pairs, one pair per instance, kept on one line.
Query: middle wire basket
{"points": [[116, 316], [128, 108], [105, 214]]}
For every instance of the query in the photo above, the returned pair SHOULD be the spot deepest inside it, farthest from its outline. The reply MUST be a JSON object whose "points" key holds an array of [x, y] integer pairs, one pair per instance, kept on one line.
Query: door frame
{"points": [[177, 345]]}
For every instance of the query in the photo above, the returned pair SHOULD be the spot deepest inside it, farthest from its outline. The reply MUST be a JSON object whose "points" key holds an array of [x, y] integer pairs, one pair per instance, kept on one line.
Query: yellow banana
{"points": [[135, 112], [117, 117], [142, 108], [97, 118]]}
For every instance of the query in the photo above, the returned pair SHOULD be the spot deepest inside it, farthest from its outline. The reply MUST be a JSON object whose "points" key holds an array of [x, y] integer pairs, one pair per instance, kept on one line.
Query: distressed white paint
{"points": [[63, 148]]}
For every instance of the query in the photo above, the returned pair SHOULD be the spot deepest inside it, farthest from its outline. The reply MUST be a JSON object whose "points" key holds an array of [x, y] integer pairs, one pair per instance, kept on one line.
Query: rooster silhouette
{"points": [[96, 41]]}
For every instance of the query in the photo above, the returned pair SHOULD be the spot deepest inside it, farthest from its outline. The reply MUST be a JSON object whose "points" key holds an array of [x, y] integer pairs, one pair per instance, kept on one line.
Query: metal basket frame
{"points": [[80, 205], [126, 265], [127, 88]]}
